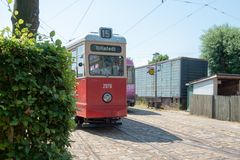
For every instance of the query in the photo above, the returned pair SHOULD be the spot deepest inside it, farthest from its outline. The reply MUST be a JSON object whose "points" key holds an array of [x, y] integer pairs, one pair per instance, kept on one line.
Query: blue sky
{"points": [[173, 28]]}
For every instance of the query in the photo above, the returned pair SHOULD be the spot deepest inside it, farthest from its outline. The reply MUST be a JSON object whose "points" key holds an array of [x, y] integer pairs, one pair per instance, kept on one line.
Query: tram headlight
{"points": [[107, 97]]}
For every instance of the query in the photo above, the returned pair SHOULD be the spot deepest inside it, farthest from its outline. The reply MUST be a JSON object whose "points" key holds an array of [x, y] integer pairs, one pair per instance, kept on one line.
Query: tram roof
{"points": [[97, 38]]}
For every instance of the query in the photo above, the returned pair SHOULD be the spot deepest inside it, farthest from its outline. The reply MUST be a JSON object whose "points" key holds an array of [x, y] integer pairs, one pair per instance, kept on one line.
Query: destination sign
{"points": [[105, 48]]}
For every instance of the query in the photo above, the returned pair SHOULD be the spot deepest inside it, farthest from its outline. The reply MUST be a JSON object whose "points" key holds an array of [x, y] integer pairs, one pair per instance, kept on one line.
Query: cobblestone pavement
{"points": [[155, 135]]}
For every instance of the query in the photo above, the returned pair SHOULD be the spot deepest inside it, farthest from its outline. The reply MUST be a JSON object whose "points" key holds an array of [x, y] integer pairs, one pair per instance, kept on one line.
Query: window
{"points": [[130, 75], [78, 61], [74, 60], [105, 65]]}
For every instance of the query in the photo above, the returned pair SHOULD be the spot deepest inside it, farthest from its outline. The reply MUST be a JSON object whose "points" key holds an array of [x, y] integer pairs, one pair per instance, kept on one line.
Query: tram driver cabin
{"points": [[167, 86]]}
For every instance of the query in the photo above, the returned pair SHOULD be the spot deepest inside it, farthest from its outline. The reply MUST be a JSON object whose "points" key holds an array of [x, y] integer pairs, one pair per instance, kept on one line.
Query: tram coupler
{"points": [[93, 123]]}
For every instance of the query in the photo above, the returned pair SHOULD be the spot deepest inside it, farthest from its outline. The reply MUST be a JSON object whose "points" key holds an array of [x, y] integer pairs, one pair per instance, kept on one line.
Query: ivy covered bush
{"points": [[36, 99]]}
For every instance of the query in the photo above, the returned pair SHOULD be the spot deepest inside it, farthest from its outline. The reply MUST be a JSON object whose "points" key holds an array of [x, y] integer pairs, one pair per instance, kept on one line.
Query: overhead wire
{"points": [[81, 20], [141, 19], [188, 2], [224, 13], [52, 29], [63, 10], [43, 28], [211, 7], [173, 25]]}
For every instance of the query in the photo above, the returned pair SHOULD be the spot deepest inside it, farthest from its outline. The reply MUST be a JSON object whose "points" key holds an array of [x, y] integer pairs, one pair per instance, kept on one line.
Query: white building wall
{"points": [[204, 88]]}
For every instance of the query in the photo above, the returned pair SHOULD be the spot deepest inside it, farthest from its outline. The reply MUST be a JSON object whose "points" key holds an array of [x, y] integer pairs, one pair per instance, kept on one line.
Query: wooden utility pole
{"points": [[28, 10]]}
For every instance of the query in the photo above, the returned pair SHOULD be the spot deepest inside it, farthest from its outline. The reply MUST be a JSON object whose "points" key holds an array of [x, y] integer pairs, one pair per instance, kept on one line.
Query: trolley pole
{"points": [[155, 80], [155, 104]]}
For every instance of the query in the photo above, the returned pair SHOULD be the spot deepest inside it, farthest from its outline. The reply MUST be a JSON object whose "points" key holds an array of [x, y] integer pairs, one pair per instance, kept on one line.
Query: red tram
{"points": [[99, 61]]}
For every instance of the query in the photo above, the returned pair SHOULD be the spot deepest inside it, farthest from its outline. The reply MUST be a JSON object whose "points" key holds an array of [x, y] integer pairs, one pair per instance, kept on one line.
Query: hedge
{"points": [[36, 100]]}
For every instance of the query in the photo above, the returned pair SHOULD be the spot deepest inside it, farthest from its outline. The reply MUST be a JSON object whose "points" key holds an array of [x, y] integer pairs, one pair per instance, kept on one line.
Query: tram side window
{"points": [[80, 61], [74, 61]]}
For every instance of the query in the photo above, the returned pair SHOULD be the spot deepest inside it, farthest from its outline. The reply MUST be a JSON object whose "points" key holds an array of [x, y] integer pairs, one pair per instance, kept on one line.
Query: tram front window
{"points": [[105, 65]]}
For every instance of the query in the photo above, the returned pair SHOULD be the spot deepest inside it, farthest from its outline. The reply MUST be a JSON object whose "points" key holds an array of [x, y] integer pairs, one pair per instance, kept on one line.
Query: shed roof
{"points": [[218, 76]]}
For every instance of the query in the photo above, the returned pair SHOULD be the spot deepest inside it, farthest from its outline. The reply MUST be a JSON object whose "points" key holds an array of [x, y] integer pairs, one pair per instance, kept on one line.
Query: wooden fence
{"points": [[220, 107]]}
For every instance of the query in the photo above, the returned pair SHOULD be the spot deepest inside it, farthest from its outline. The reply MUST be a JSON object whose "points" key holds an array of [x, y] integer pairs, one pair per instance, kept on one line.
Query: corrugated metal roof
{"points": [[218, 76], [199, 59]]}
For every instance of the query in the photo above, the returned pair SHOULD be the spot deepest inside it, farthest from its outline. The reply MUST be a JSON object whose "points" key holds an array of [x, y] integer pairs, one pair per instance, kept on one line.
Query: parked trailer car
{"points": [[167, 85], [131, 98]]}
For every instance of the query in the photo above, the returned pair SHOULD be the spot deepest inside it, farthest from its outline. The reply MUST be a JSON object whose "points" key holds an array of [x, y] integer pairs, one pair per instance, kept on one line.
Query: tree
{"points": [[221, 47], [26, 13], [158, 58]]}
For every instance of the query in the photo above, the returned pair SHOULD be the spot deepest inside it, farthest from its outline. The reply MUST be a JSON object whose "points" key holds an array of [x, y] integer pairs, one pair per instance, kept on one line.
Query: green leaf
{"points": [[1, 106], [52, 34], [9, 1], [53, 131], [27, 149], [19, 102], [20, 21], [58, 42], [30, 35], [8, 29], [25, 123], [24, 30], [22, 87], [28, 25], [47, 131], [14, 122], [16, 12], [15, 88], [3, 146]]}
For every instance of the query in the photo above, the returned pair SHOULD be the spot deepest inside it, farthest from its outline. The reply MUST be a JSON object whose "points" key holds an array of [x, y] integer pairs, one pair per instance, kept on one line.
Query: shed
{"points": [[219, 84]]}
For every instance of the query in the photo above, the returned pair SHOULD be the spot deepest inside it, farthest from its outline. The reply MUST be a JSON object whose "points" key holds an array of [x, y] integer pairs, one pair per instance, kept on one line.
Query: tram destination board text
{"points": [[105, 48]]}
